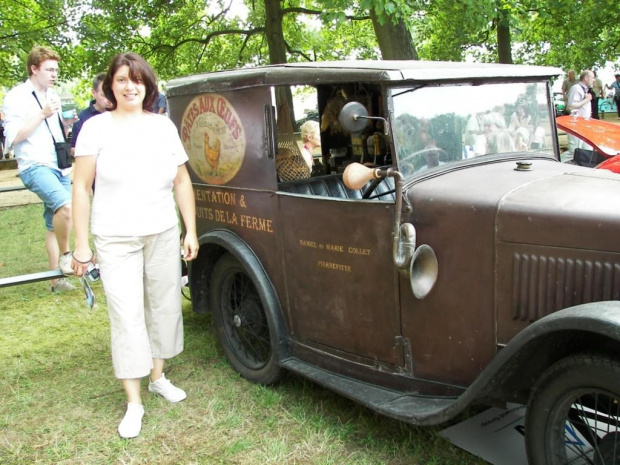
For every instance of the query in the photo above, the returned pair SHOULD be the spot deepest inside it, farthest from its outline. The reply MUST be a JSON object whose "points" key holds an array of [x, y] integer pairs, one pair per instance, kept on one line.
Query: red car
{"points": [[602, 135]]}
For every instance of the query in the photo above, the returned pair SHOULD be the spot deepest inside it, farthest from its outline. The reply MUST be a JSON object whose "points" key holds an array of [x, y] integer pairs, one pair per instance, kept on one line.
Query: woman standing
{"points": [[140, 162]]}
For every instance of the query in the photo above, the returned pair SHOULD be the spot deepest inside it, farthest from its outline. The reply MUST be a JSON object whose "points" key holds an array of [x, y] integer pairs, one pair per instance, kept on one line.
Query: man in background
{"points": [[597, 94], [568, 83], [579, 99], [161, 105], [32, 126], [98, 105], [615, 86]]}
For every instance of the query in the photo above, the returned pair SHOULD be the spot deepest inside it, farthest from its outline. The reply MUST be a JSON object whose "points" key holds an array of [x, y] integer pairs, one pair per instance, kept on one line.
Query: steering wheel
{"points": [[373, 185], [408, 164]]}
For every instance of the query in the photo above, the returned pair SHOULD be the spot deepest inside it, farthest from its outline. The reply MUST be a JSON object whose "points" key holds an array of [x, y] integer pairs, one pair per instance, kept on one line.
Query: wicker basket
{"points": [[290, 163], [291, 166]]}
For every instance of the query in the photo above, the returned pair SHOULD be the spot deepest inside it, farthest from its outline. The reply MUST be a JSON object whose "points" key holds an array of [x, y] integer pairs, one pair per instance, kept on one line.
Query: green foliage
{"points": [[182, 37]]}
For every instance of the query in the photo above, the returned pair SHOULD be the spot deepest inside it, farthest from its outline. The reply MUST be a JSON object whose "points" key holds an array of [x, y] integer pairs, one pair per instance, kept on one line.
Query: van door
{"points": [[341, 282]]}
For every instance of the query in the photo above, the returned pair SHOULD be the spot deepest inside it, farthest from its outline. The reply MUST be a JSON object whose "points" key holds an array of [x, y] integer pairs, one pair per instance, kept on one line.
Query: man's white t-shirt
{"points": [[136, 167], [38, 148]]}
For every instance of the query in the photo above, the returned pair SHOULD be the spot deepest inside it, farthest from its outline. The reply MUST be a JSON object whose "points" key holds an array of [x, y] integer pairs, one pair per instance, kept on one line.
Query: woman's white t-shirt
{"points": [[137, 163]]}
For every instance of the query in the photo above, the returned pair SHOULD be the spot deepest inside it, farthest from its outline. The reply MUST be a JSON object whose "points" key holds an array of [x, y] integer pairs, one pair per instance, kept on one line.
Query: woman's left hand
{"points": [[190, 247]]}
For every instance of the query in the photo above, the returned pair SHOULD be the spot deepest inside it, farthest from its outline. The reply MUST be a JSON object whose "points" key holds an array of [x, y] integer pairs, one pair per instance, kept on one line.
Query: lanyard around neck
{"points": [[46, 123]]}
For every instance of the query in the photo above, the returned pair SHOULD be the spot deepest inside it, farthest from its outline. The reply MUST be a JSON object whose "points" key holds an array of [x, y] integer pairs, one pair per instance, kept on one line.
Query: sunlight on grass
{"points": [[60, 403]]}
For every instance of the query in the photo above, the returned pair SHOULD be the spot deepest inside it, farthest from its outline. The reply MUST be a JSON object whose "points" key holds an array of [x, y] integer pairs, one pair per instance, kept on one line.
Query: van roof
{"points": [[326, 72]]}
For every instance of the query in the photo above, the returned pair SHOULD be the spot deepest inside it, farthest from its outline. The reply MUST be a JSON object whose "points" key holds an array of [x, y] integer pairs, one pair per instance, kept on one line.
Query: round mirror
{"points": [[352, 117]]}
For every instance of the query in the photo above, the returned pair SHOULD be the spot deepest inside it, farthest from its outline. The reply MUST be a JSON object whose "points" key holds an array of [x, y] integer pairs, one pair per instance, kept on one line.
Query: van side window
{"points": [[295, 106]]}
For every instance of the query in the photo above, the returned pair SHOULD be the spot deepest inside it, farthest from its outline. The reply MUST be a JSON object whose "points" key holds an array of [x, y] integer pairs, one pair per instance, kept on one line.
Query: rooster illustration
{"points": [[212, 154]]}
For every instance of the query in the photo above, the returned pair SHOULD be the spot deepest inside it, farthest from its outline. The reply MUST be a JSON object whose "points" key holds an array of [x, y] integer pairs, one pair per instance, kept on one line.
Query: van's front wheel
{"points": [[573, 415], [243, 328]]}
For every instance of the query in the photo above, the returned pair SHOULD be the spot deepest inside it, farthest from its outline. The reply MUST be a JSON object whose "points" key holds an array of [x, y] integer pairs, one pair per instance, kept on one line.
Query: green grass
{"points": [[60, 402]]}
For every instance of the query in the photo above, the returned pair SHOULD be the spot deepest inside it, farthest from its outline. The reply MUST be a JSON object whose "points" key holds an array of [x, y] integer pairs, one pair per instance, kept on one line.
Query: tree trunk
{"points": [[395, 41], [504, 46], [277, 55], [273, 32]]}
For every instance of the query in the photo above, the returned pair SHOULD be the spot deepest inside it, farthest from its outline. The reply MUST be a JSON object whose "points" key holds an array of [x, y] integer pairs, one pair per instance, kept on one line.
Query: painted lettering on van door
{"points": [[229, 208], [334, 250]]}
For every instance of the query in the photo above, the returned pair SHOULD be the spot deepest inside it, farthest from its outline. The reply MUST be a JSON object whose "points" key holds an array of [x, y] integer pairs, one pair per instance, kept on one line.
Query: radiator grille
{"points": [[542, 285]]}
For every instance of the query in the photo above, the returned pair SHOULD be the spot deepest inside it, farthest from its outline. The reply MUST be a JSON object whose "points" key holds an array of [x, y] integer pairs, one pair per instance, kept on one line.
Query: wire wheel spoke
{"points": [[592, 432], [246, 324]]}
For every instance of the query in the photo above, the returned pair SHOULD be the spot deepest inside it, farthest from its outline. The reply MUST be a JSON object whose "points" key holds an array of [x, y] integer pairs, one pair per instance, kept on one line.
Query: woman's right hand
{"points": [[82, 257]]}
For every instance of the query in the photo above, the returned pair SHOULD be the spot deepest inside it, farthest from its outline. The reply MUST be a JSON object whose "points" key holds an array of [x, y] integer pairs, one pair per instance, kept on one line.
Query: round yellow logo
{"points": [[214, 138]]}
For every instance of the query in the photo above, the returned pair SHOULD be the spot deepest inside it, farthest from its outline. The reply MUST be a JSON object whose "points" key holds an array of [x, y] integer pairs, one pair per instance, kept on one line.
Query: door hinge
{"points": [[405, 346]]}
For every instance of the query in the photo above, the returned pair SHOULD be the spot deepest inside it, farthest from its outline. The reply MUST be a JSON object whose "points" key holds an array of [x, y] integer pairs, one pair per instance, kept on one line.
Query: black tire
{"points": [[580, 394], [243, 328]]}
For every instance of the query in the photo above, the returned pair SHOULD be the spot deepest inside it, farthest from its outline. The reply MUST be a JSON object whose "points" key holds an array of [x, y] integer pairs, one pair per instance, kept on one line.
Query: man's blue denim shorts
{"points": [[51, 186]]}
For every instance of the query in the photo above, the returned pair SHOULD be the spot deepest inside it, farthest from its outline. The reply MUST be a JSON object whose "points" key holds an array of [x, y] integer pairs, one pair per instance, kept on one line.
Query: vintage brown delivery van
{"points": [[432, 253]]}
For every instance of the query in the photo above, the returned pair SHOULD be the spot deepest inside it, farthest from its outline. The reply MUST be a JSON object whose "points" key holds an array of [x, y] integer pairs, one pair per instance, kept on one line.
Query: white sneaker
{"points": [[132, 421], [167, 390], [64, 263], [62, 285]]}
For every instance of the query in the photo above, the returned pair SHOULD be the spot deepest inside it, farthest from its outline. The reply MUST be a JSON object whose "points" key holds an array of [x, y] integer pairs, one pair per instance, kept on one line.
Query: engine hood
{"points": [[579, 209]]}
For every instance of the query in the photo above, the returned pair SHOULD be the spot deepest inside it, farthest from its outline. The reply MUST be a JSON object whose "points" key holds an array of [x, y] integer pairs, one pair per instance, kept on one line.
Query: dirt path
{"points": [[9, 179]]}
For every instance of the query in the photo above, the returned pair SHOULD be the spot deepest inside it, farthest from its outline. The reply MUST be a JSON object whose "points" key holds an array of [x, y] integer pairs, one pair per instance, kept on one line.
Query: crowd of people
{"points": [[487, 133], [133, 219], [582, 99]]}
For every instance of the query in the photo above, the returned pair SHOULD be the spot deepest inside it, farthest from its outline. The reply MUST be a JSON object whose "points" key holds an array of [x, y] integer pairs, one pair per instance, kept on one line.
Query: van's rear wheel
{"points": [[243, 328], [573, 415]]}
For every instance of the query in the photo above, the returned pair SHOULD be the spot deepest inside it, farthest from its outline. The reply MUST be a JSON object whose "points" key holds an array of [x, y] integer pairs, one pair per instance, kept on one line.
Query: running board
{"points": [[406, 407]]}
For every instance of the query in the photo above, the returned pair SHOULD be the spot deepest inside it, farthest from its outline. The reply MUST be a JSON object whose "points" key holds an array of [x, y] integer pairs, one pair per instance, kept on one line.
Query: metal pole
{"points": [[30, 278]]}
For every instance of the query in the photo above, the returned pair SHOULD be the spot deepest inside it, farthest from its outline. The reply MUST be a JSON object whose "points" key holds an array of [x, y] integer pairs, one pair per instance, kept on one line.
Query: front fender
{"points": [[213, 245], [593, 327]]}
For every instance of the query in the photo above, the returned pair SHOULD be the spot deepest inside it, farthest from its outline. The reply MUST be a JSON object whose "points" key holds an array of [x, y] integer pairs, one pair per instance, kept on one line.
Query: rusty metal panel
{"points": [[250, 214], [340, 278], [571, 215], [534, 281]]}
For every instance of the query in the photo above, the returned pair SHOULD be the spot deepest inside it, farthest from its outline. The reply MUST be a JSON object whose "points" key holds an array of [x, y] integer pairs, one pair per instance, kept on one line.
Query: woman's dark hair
{"points": [[139, 71]]}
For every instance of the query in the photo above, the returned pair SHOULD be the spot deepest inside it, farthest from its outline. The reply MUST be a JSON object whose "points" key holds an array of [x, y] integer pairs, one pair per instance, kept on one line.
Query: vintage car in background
{"points": [[558, 103], [602, 136], [512, 295]]}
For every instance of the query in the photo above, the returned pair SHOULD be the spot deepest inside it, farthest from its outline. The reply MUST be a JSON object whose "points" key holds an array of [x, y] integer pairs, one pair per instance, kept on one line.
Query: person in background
{"points": [[492, 122], [568, 83], [140, 163], [33, 124], [500, 141], [615, 86], [161, 105], [579, 104], [522, 138], [2, 147], [597, 94], [311, 139], [519, 119], [98, 105], [539, 134]]}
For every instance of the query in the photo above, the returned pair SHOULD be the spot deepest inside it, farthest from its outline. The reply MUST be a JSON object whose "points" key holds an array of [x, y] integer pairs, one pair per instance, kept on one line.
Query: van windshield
{"points": [[435, 126]]}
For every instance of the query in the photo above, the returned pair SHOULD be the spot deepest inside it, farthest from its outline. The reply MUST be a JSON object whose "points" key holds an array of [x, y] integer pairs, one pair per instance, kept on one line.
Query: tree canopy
{"points": [[181, 37]]}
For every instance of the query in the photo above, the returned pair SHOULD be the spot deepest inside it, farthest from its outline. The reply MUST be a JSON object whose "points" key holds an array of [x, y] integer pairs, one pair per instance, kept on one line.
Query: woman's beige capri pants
{"points": [[142, 282]]}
